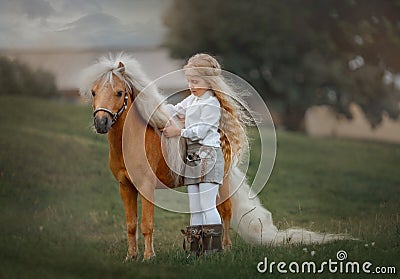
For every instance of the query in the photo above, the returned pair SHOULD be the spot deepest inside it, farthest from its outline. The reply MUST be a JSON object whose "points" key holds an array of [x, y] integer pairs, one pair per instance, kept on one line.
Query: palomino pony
{"points": [[114, 89], [116, 83]]}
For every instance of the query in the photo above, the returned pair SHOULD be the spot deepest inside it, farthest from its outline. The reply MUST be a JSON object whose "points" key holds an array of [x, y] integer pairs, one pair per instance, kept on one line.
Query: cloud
{"points": [[93, 30], [33, 9], [80, 23], [37, 9], [94, 22], [74, 7], [97, 28]]}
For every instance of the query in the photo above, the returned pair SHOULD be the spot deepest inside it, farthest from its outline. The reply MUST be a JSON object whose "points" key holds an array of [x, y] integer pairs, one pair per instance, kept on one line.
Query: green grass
{"points": [[62, 217]]}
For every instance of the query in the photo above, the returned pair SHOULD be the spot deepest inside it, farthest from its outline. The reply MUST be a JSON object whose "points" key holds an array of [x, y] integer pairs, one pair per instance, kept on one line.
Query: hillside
{"points": [[61, 214]]}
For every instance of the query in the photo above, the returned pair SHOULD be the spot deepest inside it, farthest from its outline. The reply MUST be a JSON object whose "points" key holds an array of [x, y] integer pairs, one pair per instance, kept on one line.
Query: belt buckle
{"points": [[193, 157]]}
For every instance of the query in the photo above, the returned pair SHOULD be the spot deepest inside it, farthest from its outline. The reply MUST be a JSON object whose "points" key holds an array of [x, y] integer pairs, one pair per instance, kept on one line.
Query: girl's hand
{"points": [[171, 130]]}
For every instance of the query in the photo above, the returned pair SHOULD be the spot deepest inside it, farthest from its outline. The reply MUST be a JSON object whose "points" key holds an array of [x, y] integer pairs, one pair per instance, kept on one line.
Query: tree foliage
{"points": [[18, 79], [299, 52]]}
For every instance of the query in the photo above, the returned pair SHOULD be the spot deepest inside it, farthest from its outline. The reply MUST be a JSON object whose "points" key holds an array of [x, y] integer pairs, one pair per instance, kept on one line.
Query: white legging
{"points": [[202, 204]]}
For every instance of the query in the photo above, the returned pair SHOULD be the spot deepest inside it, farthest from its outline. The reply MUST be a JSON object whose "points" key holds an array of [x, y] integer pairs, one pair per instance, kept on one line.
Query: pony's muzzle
{"points": [[102, 123]]}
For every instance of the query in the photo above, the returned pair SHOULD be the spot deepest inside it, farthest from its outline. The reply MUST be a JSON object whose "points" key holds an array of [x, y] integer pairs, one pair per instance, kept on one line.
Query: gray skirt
{"points": [[203, 164]]}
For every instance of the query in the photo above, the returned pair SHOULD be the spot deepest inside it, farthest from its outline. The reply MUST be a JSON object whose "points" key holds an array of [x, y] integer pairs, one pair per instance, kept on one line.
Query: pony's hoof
{"points": [[130, 258], [227, 247], [148, 256]]}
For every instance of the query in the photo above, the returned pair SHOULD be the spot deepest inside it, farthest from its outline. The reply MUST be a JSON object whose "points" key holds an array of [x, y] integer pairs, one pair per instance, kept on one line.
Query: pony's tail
{"points": [[254, 223]]}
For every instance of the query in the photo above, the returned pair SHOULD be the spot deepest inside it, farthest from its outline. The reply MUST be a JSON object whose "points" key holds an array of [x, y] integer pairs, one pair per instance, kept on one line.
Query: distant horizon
{"points": [[66, 64]]}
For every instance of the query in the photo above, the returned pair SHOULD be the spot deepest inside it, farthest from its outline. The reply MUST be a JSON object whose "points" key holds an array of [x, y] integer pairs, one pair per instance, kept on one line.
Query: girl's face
{"points": [[197, 85]]}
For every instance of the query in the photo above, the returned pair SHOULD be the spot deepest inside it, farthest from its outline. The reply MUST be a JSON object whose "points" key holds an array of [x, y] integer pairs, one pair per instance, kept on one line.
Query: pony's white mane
{"points": [[150, 103]]}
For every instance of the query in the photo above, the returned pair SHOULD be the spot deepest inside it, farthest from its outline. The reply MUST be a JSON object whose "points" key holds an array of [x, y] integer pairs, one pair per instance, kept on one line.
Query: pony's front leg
{"points": [[129, 197], [147, 225]]}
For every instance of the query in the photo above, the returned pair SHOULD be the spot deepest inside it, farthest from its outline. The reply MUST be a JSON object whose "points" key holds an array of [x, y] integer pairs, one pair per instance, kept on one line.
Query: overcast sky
{"points": [[81, 23]]}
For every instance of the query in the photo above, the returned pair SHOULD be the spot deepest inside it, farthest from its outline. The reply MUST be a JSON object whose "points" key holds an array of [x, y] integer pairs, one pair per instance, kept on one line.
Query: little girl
{"points": [[206, 110]]}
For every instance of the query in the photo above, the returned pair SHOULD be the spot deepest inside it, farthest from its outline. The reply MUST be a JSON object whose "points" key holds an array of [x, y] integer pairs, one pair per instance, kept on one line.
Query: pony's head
{"points": [[113, 83], [110, 95]]}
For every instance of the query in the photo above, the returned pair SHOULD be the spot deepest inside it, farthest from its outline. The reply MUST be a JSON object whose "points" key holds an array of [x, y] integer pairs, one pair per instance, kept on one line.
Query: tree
{"points": [[18, 79], [298, 52]]}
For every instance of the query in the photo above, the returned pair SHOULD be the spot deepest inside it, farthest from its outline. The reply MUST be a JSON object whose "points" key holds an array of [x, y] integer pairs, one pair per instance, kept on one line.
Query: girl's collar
{"points": [[205, 95]]}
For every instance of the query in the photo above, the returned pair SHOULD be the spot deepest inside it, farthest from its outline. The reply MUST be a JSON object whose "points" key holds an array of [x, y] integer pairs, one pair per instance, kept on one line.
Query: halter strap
{"points": [[114, 116]]}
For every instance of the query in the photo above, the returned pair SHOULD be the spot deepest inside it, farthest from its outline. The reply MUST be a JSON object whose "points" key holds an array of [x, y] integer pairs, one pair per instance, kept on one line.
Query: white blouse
{"points": [[202, 115]]}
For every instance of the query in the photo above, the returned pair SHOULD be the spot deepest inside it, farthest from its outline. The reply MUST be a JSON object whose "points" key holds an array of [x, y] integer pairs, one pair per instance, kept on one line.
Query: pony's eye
{"points": [[93, 93], [119, 94]]}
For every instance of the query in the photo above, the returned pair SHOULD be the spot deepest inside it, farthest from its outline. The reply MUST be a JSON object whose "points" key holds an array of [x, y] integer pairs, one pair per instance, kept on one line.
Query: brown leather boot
{"points": [[212, 238], [193, 235]]}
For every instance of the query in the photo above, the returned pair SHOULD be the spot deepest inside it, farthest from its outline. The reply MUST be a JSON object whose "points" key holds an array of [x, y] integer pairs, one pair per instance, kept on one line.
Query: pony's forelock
{"points": [[107, 66]]}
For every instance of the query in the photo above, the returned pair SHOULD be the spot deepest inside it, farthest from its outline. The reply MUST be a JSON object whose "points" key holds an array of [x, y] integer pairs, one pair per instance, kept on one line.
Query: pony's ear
{"points": [[121, 67]]}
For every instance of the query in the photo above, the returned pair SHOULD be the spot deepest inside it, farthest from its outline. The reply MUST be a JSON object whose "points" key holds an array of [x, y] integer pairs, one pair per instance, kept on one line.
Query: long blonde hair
{"points": [[235, 115]]}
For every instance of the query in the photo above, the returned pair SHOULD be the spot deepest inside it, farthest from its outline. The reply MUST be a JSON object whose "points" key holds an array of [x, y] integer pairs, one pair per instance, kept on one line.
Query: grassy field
{"points": [[62, 217]]}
